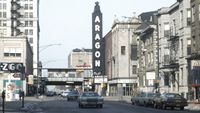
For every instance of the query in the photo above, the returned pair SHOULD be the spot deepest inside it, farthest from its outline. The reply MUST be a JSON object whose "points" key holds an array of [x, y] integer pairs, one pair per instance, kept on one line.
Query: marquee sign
{"points": [[12, 67], [97, 42]]}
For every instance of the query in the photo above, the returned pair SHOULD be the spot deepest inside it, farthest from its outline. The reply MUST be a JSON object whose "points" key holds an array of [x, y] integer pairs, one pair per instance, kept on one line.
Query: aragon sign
{"points": [[12, 67], [97, 42]]}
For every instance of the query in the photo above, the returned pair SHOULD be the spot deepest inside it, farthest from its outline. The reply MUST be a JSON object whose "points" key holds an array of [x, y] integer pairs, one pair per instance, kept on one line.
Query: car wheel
{"points": [[182, 108], [145, 104], [132, 102], [155, 105], [163, 106], [172, 107], [101, 105], [80, 106]]}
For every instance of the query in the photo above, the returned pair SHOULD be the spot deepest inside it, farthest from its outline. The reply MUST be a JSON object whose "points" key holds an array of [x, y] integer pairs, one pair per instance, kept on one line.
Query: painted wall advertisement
{"points": [[10, 88]]}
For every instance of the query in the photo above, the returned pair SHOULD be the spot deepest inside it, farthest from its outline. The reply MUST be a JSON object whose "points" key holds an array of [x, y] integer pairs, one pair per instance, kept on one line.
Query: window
{"points": [[31, 23], [26, 7], [4, 6], [4, 23], [123, 49], [166, 79], [12, 52], [193, 13], [133, 52], [26, 31], [181, 47], [181, 18], [31, 14], [188, 17], [4, 15], [188, 46], [181, 77], [166, 29], [31, 40], [1, 15], [30, 6], [134, 69], [26, 23], [26, 15], [30, 32]]}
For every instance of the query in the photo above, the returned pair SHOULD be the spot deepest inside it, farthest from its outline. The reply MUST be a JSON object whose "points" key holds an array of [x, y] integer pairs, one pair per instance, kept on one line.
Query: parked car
{"points": [[144, 98], [73, 95], [170, 100], [49, 93], [90, 99]]}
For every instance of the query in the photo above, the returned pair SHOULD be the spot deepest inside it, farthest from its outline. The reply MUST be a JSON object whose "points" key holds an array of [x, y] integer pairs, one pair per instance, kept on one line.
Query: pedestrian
{"points": [[20, 94]]}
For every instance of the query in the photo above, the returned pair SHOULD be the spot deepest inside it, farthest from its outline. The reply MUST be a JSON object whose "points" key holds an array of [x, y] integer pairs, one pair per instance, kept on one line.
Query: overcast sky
{"points": [[69, 23]]}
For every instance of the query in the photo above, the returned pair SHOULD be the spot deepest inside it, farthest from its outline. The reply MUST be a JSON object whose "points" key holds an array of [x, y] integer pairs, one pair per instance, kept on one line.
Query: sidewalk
{"points": [[30, 104]]}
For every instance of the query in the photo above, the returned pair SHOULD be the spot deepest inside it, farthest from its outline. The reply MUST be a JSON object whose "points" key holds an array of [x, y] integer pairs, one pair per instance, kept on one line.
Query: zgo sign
{"points": [[12, 67]]}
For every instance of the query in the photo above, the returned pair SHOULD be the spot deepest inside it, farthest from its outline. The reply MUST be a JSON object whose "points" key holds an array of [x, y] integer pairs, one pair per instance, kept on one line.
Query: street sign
{"points": [[12, 67]]}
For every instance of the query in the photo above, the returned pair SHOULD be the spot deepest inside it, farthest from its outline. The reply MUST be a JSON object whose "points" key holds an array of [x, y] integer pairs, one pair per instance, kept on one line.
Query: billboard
{"points": [[97, 42]]}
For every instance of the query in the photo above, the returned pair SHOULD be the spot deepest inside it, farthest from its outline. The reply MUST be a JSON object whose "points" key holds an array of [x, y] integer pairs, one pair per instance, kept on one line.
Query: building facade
{"points": [[15, 50], [21, 18], [147, 51], [194, 58], [81, 60], [122, 57], [163, 47]]}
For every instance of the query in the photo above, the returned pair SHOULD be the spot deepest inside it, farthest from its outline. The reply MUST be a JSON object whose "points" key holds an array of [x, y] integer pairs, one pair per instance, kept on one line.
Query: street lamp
{"points": [[39, 65]]}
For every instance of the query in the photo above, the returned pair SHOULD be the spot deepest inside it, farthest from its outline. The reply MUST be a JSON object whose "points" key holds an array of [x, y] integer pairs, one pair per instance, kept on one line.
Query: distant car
{"points": [[73, 95], [170, 100], [90, 99], [65, 93], [144, 98], [50, 93]]}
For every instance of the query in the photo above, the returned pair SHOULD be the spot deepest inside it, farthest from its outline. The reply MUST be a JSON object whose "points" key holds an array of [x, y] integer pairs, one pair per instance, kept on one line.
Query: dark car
{"points": [[73, 95], [50, 93], [90, 99], [170, 100]]}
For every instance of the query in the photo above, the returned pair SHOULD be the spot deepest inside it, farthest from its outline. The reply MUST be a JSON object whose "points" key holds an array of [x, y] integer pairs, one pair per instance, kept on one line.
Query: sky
{"points": [[67, 24]]}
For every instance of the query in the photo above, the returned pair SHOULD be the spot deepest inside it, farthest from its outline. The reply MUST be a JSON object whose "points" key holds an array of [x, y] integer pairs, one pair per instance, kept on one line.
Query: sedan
{"points": [[73, 95], [90, 99], [170, 100]]}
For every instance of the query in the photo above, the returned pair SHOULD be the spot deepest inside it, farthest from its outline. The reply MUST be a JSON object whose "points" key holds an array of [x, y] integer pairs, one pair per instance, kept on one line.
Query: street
{"points": [[61, 105]]}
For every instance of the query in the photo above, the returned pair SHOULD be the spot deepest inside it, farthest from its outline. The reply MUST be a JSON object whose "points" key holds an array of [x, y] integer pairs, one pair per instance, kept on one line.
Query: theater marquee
{"points": [[97, 41]]}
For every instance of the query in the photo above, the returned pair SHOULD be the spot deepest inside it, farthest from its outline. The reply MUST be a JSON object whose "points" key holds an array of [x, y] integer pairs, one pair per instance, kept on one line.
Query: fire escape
{"points": [[173, 55], [15, 18]]}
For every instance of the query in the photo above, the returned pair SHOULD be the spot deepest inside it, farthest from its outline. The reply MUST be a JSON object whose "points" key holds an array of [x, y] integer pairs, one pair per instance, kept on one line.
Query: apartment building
{"points": [[174, 33], [194, 58], [147, 51], [20, 18]]}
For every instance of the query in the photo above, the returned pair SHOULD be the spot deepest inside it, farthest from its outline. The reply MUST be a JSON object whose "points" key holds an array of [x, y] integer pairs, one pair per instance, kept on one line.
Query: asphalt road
{"points": [[61, 105]]}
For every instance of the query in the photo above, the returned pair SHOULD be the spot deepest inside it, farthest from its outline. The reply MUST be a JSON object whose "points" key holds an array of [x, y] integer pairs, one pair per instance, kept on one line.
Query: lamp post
{"points": [[39, 65]]}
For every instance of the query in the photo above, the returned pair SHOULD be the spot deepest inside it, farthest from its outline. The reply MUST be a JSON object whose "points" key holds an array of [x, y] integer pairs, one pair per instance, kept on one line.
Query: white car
{"points": [[64, 94], [90, 99]]}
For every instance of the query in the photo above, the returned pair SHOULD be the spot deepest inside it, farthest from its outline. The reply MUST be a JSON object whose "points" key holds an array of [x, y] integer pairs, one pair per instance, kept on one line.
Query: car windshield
{"points": [[73, 92], [173, 95], [90, 94]]}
